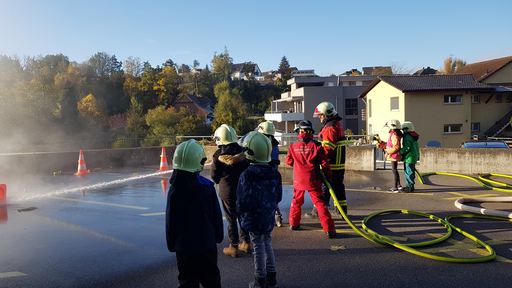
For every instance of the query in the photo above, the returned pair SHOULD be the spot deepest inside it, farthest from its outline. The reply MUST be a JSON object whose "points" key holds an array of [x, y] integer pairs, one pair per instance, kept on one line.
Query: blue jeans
{"points": [[409, 174], [263, 253]]}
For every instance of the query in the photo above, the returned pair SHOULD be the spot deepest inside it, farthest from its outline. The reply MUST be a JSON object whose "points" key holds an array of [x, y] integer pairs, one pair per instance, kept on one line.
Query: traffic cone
{"points": [[3, 193], [163, 162], [81, 165]]}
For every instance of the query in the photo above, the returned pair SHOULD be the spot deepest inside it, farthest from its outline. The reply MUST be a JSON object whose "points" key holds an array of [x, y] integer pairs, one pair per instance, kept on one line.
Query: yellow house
{"points": [[445, 108]]}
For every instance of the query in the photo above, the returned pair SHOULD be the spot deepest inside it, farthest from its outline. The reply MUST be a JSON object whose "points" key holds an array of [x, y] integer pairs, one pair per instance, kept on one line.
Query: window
{"points": [[475, 127], [498, 98], [394, 103], [508, 97], [452, 99], [350, 106], [475, 98], [452, 128]]}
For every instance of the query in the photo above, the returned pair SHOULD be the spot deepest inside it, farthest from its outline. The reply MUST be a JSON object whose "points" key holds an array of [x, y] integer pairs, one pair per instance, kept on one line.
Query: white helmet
{"points": [[407, 126], [266, 128], [224, 135], [393, 124], [325, 108]]}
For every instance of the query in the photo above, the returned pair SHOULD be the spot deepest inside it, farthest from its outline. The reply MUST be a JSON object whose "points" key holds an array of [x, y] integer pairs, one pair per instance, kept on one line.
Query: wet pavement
{"points": [[107, 230]]}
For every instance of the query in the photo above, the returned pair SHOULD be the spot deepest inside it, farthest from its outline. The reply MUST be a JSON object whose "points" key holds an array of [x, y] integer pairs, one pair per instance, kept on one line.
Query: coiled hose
{"points": [[409, 247]]}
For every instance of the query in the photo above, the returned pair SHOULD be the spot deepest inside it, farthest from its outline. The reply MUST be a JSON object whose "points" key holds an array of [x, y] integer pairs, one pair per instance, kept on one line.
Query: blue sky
{"points": [[328, 36]]}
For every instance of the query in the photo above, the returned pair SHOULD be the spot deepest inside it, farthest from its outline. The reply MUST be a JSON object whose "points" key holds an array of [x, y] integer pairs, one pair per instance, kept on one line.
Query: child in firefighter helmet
{"points": [[193, 218], [258, 193], [228, 162], [410, 153], [392, 149], [268, 129]]}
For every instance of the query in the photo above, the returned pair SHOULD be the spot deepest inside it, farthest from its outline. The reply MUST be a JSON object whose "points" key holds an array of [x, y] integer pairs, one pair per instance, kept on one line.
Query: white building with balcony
{"points": [[307, 92]]}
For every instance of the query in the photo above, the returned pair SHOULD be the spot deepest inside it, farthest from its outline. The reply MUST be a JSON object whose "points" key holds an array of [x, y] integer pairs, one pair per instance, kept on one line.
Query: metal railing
{"points": [[502, 123]]}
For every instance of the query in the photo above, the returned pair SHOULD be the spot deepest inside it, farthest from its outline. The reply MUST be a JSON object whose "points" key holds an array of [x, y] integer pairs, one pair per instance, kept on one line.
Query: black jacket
{"points": [[193, 219], [228, 163]]}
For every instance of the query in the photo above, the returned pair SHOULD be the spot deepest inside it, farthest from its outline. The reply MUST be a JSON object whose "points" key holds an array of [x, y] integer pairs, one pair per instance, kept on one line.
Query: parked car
{"points": [[484, 144]]}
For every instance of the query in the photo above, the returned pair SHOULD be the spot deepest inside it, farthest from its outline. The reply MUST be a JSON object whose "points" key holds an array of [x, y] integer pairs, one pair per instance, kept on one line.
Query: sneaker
{"points": [[245, 247], [393, 190], [295, 227], [331, 234], [399, 187], [279, 221], [405, 189]]}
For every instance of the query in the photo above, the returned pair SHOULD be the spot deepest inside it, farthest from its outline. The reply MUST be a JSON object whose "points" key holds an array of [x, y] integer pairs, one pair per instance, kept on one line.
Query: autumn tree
{"points": [[222, 66], [452, 65], [167, 86], [93, 112], [136, 126], [133, 66]]}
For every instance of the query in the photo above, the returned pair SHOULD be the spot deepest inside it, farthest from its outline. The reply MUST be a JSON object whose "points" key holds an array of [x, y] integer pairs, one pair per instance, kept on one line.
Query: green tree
{"points": [[284, 63], [136, 126], [231, 109]]}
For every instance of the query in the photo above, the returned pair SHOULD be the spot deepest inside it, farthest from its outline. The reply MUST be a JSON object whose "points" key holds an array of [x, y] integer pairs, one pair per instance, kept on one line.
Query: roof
{"points": [[201, 102], [425, 71], [482, 70], [427, 83]]}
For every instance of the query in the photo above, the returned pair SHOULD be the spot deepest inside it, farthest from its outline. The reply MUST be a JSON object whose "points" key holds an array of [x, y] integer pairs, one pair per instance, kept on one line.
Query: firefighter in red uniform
{"points": [[306, 157], [333, 142]]}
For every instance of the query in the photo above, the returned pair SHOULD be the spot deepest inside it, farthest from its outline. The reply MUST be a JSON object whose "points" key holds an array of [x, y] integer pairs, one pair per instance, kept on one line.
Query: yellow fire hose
{"points": [[374, 237]]}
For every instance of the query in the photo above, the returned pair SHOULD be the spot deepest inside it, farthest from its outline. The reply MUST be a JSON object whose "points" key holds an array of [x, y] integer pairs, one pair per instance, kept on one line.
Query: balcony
{"points": [[284, 115]]}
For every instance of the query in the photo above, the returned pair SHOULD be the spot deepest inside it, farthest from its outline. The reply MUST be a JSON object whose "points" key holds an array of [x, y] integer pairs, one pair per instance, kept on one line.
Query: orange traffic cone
{"points": [[163, 162], [3, 193], [81, 165]]}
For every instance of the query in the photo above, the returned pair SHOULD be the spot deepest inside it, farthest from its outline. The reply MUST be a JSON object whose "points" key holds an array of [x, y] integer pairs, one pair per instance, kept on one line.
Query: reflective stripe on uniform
{"points": [[329, 144], [343, 202]]}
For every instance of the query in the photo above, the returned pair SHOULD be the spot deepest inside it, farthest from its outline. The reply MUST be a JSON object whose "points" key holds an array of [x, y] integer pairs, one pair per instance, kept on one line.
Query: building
{"points": [[497, 73], [200, 105], [239, 74], [425, 71], [445, 108], [307, 92]]}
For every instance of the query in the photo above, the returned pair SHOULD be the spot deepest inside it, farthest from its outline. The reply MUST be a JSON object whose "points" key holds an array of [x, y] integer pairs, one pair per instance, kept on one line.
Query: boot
{"points": [[271, 279], [246, 247], [232, 250], [259, 282]]}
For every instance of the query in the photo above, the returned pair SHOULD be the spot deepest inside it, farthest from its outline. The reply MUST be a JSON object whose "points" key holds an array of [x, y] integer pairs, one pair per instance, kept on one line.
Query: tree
{"points": [[452, 65], [382, 71], [136, 126], [133, 66], [222, 66], [195, 64], [231, 109], [168, 86], [284, 63], [248, 70], [92, 111]]}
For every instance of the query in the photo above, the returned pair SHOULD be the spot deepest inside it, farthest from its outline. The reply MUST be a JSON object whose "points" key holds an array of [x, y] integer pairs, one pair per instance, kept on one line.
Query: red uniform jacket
{"points": [[306, 157]]}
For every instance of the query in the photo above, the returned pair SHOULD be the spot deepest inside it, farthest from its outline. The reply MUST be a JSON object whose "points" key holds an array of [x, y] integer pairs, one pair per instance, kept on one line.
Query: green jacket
{"points": [[410, 150]]}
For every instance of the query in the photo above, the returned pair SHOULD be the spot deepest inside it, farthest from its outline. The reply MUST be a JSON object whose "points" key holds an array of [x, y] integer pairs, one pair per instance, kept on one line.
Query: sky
{"points": [[330, 37]]}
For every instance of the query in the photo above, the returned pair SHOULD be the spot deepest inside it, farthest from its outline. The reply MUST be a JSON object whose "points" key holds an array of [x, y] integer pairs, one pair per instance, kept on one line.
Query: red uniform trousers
{"points": [[316, 197]]}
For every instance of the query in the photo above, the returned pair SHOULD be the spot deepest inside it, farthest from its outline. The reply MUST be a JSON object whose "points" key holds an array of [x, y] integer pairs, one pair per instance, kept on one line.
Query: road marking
{"points": [[11, 274], [385, 191], [99, 203], [461, 195], [153, 214]]}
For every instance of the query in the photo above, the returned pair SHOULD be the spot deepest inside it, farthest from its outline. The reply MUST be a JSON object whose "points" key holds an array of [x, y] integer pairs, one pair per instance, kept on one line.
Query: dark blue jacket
{"points": [[259, 190], [193, 219]]}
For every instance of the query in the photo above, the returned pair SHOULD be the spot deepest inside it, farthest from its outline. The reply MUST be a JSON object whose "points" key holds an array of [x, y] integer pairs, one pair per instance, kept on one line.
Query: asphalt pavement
{"points": [[107, 230]]}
